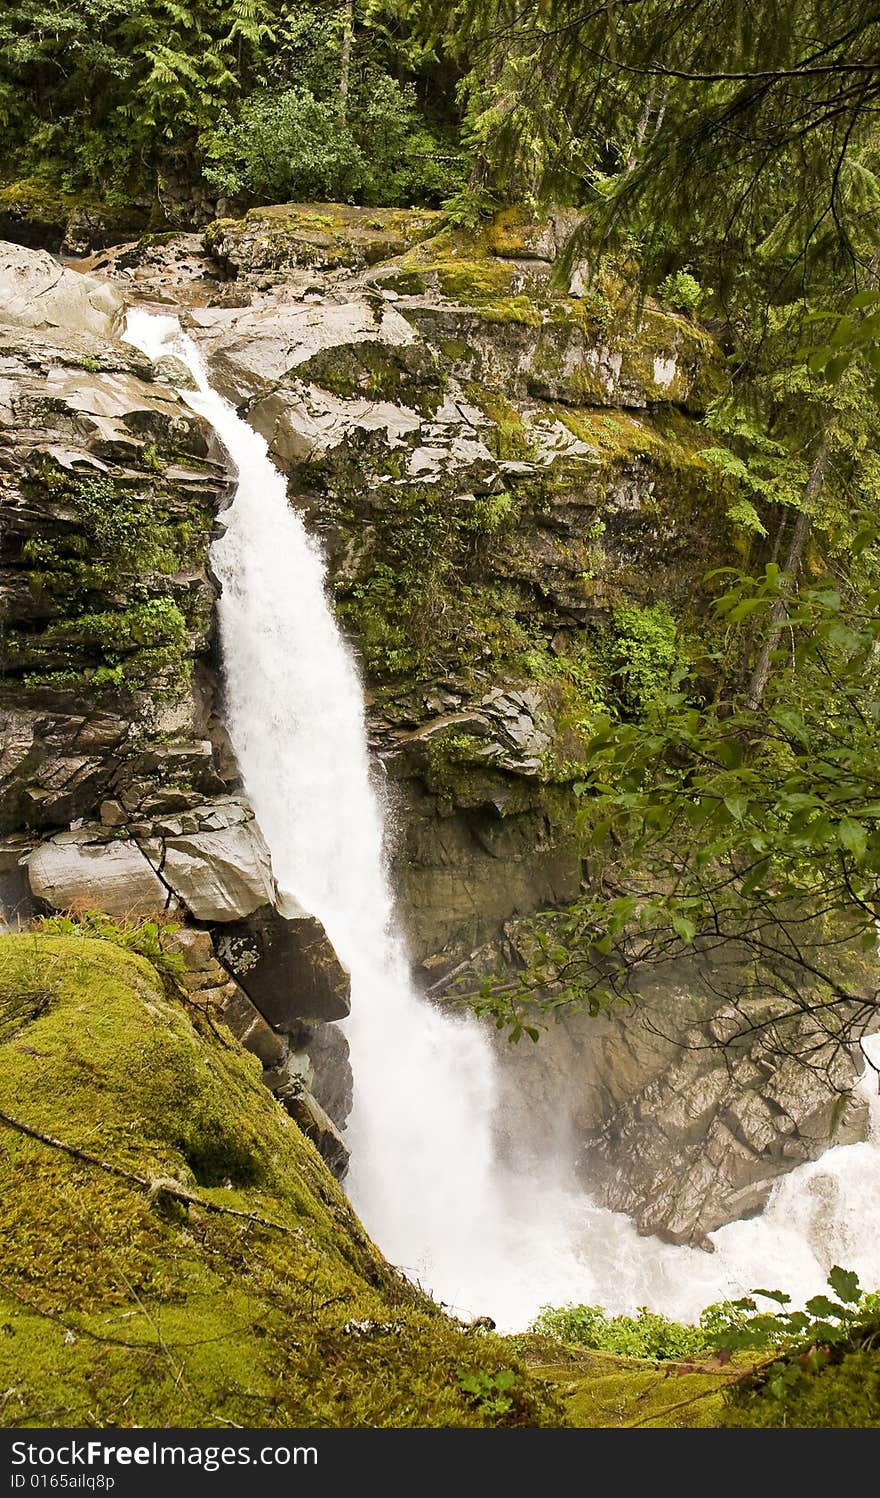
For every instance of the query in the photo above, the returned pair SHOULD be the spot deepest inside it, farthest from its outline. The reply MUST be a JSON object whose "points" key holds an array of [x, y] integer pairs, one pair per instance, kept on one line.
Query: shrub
{"points": [[643, 654], [648, 1334], [683, 291], [292, 144]]}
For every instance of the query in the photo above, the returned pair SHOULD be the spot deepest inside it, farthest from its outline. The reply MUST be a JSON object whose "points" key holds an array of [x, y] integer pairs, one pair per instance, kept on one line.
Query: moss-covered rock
{"points": [[323, 236], [195, 1264], [602, 1391], [38, 213]]}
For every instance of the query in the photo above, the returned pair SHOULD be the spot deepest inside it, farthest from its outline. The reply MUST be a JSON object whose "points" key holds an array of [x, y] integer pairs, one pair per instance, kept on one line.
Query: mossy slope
{"points": [[121, 1305], [603, 1391], [845, 1394]]}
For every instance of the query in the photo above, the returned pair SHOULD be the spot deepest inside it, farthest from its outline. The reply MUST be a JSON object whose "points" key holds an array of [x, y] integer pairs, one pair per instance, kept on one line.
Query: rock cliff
{"points": [[502, 455]]}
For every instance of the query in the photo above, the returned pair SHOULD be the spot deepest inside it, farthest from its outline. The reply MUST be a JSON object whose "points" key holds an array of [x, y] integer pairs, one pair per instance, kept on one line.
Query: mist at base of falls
{"points": [[428, 1178]]}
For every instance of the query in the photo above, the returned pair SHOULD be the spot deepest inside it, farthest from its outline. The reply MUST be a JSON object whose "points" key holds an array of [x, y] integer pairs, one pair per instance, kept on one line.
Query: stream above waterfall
{"points": [[427, 1176]]}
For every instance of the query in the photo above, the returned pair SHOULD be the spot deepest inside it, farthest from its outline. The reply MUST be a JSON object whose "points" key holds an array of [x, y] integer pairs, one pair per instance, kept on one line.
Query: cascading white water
{"points": [[425, 1173]]}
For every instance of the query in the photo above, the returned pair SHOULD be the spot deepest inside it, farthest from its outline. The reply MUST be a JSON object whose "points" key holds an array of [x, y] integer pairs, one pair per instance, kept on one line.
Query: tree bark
{"points": [[345, 58], [761, 673]]}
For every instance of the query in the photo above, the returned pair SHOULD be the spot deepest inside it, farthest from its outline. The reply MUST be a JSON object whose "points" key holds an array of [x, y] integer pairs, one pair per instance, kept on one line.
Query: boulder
{"points": [[220, 874], [39, 293], [308, 1114], [319, 236], [114, 877], [248, 1025], [659, 1120], [287, 967]]}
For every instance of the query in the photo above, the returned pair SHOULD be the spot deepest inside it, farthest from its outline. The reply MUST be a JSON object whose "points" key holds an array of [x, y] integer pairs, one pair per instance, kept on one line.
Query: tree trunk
{"points": [[761, 672], [345, 58]]}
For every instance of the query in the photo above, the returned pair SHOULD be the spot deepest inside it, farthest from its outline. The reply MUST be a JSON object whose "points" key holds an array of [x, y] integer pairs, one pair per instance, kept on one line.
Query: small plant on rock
{"points": [[491, 1393]]}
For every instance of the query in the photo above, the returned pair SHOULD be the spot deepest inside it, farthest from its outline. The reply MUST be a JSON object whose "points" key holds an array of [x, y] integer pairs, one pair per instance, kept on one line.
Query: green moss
{"points": [[605, 1392], [407, 375], [123, 1306], [509, 435], [425, 601], [462, 269], [38, 211], [507, 233], [845, 1393], [143, 646], [112, 581], [323, 234]]}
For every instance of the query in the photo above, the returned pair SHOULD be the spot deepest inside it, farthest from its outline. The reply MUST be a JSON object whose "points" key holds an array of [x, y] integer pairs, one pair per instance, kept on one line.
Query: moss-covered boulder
{"points": [[40, 214], [175, 1252], [322, 236]]}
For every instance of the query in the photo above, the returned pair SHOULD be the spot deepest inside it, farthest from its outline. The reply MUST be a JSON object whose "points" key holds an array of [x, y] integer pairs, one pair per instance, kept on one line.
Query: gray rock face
{"points": [[287, 967], [332, 1082], [286, 1072], [222, 874], [37, 292], [663, 1124], [307, 1112], [112, 876]]}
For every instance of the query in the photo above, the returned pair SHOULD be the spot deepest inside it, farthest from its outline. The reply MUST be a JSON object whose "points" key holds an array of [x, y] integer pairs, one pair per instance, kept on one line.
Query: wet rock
{"points": [[288, 968], [332, 1081], [667, 1126], [315, 1124]]}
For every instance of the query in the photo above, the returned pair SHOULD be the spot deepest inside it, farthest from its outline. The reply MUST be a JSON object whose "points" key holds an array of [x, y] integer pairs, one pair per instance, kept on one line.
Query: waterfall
{"points": [[426, 1176]]}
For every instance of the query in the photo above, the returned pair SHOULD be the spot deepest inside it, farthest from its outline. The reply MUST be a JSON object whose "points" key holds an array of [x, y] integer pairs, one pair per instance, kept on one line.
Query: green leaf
{"points": [[683, 927], [820, 1305], [853, 838], [845, 1284], [778, 1295]]}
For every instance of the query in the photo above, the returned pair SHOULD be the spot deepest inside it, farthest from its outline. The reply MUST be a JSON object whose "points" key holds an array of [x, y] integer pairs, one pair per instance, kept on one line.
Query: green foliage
{"points": [[815, 1353], [643, 654], [425, 601], [813, 1333], [490, 1393], [854, 335], [131, 97], [683, 291], [751, 825], [843, 1393], [292, 145], [802, 1342], [648, 1334], [742, 513], [148, 938], [104, 88], [127, 543], [127, 649]]}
